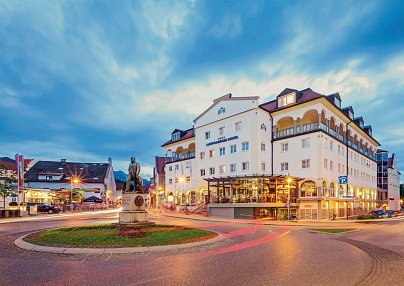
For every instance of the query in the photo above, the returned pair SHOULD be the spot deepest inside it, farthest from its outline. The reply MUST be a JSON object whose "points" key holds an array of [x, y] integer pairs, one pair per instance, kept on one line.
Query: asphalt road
{"points": [[250, 254]]}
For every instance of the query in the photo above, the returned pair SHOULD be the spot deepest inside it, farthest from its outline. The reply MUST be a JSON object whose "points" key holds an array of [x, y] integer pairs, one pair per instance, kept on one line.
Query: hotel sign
{"points": [[222, 140]]}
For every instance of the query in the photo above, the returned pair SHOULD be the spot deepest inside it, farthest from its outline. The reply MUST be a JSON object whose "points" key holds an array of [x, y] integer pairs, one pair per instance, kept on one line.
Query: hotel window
{"points": [[222, 151], [263, 166], [286, 99], [306, 143], [233, 148], [326, 143], [263, 147], [339, 168], [211, 153], [207, 134], [202, 155], [211, 170], [331, 145], [176, 166], [339, 149], [306, 164], [331, 165], [170, 168], [245, 146], [202, 172], [170, 181], [325, 163], [222, 169], [237, 126], [343, 151], [244, 166], [284, 147], [221, 131], [284, 166], [175, 137], [233, 168]]}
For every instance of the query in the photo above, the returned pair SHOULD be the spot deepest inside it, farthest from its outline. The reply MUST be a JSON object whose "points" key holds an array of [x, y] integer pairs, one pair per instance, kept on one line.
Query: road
{"points": [[250, 254]]}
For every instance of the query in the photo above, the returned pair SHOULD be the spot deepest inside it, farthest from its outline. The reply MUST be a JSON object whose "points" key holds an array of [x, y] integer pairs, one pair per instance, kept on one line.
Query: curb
{"points": [[21, 243]]}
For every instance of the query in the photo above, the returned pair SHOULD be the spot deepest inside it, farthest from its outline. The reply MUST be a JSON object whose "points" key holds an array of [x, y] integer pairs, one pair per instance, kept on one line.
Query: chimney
{"points": [[63, 162], [110, 160]]}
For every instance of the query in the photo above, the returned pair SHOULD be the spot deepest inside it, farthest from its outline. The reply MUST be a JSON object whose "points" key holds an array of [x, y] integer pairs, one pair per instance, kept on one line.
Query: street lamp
{"points": [[75, 181], [289, 180]]}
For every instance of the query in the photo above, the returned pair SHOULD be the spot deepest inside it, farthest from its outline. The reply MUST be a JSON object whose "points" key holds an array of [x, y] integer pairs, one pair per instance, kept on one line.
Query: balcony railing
{"points": [[321, 192], [189, 155], [300, 129]]}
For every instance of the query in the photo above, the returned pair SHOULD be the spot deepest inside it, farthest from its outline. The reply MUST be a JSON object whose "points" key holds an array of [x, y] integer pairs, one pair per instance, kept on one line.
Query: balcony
{"points": [[305, 128], [175, 157]]}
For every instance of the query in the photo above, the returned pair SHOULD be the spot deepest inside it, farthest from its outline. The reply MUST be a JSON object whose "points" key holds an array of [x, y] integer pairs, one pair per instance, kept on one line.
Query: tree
{"points": [[6, 190]]}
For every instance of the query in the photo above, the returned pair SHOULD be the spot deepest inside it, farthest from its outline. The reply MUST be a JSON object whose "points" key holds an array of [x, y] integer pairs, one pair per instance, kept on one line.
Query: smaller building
{"points": [[157, 183], [64, 182], [388, 181]]}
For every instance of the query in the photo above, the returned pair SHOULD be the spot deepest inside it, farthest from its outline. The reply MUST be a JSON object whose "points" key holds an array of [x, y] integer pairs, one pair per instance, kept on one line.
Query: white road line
{"points": [[150, 280]]}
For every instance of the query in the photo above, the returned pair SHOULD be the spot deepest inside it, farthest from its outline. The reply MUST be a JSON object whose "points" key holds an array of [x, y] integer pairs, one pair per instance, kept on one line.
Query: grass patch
{"points": [[331, 230], [110, 236]]}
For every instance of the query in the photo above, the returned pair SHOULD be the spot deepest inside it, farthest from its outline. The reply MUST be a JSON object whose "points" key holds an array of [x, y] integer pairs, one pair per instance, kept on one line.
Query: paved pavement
{"points": [[252, 253]]}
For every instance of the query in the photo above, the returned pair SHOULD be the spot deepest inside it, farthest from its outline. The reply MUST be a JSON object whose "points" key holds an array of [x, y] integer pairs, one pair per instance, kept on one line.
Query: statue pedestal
{"points": [[134, 210]]}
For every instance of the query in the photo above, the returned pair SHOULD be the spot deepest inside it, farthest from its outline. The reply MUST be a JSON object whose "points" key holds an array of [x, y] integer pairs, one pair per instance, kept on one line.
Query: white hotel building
{"points": [[279, 159]]}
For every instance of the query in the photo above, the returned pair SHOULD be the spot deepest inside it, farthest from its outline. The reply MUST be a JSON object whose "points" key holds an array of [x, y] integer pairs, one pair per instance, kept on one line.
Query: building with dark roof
{"points": [[301, 154], [58, 181]]}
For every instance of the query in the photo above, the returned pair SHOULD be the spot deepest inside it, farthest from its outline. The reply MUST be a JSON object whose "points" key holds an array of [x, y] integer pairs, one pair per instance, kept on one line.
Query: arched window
{"points": [[309, 189], [332, 190]]}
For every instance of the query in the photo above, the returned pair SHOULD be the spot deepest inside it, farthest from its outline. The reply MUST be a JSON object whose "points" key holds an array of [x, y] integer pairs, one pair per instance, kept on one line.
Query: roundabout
{"points": [[109, 238]]}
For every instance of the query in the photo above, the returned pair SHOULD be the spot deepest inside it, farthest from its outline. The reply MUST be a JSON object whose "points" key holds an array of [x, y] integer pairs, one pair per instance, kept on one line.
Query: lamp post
{"points": [[288, 180], [74, 181]]}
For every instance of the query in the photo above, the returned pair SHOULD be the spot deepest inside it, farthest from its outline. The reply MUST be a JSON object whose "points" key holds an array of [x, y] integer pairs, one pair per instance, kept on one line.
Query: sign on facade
{"points": [[343, 180]]}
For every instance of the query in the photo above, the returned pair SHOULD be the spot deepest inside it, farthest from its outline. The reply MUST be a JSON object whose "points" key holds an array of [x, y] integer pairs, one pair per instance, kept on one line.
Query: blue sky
{"points": [[88, 80]]}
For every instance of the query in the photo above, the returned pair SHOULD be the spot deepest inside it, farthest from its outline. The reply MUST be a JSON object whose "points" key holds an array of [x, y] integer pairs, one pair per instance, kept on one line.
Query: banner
{"points": [[20, 171]]}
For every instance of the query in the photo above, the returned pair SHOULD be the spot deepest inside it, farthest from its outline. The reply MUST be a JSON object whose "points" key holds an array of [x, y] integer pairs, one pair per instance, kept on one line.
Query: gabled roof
{"points": [[87, 172], [302, 96], [11, 164], [225, 97], [189, 133]]}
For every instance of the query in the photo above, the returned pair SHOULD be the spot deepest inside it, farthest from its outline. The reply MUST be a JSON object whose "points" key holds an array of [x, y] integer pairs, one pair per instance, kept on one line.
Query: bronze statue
{"points": [[133, 175]]}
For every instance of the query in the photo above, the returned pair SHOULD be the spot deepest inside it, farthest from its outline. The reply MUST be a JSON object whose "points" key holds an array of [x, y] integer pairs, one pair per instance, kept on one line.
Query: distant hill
{"points": [[122, 176]]}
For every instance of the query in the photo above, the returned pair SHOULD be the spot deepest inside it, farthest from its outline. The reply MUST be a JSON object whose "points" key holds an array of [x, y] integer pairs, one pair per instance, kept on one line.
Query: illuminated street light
{"points": [[75, 181]]}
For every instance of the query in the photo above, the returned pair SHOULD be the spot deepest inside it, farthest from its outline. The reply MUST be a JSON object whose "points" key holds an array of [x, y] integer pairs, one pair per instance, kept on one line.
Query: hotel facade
{"points": [[300, 155]]}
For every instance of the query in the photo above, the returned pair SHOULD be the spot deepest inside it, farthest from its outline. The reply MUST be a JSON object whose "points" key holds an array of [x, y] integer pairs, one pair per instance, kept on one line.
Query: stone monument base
{"points": [[134, 212]]}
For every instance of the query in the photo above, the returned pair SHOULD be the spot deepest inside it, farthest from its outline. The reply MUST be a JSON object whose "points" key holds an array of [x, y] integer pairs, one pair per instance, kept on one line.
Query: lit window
{"points": [[284, 166], [306, 164], [244, 166], [232, 168], [286, 99], [233, 148], [306, 143], [245, 146], [222, 169], [222, 151]]}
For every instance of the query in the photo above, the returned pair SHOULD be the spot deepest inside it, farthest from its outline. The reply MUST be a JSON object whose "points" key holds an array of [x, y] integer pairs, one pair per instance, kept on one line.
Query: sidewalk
{"points": [[300, 223]]}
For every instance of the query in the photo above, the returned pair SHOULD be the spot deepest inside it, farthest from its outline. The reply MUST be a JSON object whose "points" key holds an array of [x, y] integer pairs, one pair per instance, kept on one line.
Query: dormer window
{"points": [[287, 99], [337, 102], [175, 136], [350, 114], [361, 124]]}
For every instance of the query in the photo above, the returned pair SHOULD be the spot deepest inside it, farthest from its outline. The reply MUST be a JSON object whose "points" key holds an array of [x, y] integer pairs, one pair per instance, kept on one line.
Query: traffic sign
{"points": [[343, 180]]}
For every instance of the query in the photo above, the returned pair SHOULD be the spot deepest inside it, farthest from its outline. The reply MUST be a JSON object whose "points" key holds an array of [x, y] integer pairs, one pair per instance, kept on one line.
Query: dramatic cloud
{"points": [[87, 81]]}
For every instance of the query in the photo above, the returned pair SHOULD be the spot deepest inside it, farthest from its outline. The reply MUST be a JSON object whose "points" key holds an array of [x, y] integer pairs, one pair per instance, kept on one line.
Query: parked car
{"points": [[391, 213], [45, 208], [378, 214]]}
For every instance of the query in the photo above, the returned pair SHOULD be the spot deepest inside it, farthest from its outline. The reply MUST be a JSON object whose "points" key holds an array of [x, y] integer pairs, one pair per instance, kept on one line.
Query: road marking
{"points": [[109, 257], [85, 258]]}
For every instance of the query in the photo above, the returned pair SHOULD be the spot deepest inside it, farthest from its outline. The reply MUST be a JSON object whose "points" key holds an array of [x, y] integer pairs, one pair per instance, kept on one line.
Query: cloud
{"points": [[229, 26]]}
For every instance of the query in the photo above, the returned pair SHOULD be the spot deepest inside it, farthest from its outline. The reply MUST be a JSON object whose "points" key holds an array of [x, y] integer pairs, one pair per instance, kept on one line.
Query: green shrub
{"points": [[366, 216]]}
